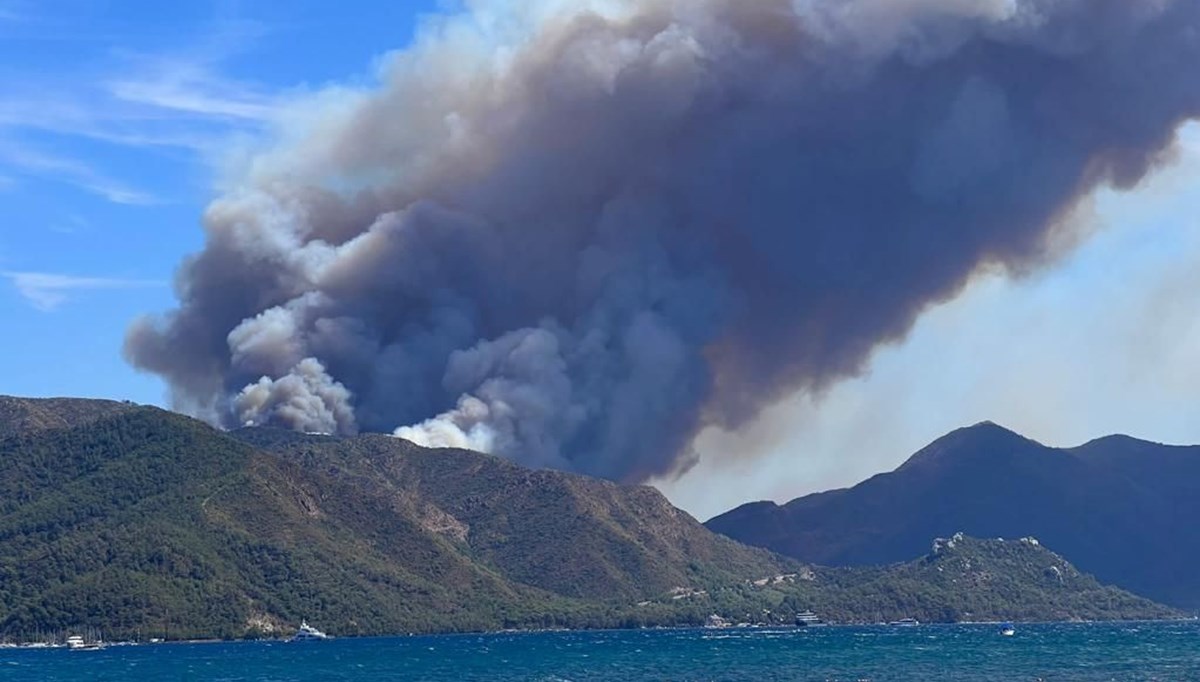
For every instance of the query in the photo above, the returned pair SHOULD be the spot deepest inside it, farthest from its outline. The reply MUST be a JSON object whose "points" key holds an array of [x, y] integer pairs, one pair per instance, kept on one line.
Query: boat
{"points": [[808, 619], [905, 622], [77, 643], [1008, 630], [715, 621], [308, 633]]}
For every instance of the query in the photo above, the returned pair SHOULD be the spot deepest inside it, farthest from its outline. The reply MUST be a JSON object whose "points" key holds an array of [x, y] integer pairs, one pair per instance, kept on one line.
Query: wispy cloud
{"points": [[152, 103], [74, 172], [47, 291], [95, 114], [192, 89], [181, 100]]}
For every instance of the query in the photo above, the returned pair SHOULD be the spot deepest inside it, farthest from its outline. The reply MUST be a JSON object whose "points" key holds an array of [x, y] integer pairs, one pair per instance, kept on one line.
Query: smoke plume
{"points": [[576, 233]]}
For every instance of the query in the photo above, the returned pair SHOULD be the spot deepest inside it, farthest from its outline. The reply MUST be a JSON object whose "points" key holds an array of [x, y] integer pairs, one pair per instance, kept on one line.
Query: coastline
{"points": [[583, 630]]}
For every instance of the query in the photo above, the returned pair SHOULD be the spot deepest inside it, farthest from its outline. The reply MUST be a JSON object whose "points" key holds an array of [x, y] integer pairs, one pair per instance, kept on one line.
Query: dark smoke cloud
{"points": [[577, 236]]}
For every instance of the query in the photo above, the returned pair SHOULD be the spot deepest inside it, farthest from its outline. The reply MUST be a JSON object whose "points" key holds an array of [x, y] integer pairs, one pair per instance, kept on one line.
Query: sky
{"points": [[116, 120]]}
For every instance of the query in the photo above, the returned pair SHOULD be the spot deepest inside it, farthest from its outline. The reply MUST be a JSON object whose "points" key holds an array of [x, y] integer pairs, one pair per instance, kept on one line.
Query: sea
{"points": [[1059, 652]]}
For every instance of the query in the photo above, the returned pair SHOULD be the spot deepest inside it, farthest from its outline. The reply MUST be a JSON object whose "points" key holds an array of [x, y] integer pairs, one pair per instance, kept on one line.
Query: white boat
{"points": [[308, 633], [808, 619], [77, 643], [906, 622], [1007, 630], [715, 621]]}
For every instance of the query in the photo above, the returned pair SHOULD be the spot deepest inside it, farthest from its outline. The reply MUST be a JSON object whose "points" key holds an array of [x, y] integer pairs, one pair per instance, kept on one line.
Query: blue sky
{"points": [[112, 120], [115, 117]]}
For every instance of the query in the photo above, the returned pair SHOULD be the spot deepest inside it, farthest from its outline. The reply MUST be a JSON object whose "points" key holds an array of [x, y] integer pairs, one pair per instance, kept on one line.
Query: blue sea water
{"points": [[1059, 652]]}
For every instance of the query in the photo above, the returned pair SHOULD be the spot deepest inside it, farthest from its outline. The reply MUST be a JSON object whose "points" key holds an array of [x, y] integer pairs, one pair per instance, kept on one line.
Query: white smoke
{"points": [[306, 398]]}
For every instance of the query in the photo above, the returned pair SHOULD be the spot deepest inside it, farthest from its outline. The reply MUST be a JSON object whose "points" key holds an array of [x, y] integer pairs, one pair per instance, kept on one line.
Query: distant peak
{"points": [[1117, 439], [984, 440], [989, 425], [1120, 445], [985, 430]]}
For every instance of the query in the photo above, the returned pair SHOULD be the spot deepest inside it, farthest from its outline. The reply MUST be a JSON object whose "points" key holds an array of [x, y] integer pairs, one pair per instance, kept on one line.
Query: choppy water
{"points": [[1142, 651]]}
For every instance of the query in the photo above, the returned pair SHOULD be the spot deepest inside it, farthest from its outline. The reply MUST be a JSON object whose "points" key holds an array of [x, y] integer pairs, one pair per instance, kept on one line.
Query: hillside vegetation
{"points": [[135, 521]]}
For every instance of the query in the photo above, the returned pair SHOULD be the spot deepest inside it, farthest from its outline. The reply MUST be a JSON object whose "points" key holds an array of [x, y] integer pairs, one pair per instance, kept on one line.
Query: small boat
{"points": [[77, 643], [905, 623], [307, 633], [808, 619], [1008, 630], [715, 621]]}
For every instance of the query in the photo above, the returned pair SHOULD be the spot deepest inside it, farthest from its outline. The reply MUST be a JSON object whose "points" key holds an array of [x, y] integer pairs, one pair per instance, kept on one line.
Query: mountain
{"points": [[132, 518], [969, 579], [23, 416], [1119, 508], [148, 520], [569, 534], [138, 521]]}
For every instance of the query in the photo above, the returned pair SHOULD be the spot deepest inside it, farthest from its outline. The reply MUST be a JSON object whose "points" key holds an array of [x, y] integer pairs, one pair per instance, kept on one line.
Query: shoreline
{"points": [[534, 631]]}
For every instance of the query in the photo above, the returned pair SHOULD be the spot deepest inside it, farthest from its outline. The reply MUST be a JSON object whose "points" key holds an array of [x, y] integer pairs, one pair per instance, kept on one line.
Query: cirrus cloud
{"points": [[47, 291]]}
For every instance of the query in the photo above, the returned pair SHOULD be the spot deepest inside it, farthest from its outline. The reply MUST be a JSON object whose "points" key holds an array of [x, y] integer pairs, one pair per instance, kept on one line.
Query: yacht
{"points": [[308, 632], [906, 622], [808, 619], [715, 621], [77, 643]]}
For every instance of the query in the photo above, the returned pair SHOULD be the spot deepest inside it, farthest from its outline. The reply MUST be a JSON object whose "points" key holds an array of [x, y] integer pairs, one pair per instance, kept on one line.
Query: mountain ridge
{"points": [[145, 519], [1107, 504], [138, 520], [31, 414]]}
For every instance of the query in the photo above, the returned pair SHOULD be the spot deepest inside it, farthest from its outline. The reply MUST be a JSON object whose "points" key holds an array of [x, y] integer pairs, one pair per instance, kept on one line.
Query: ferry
{"points": [[808, 619], [308, 633], [906, 622]]}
